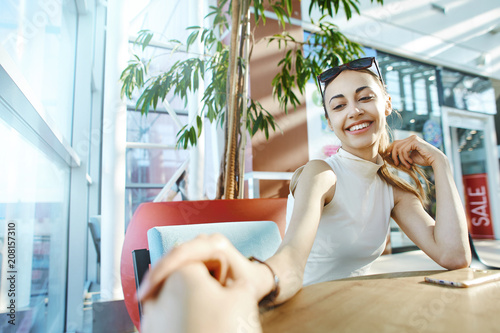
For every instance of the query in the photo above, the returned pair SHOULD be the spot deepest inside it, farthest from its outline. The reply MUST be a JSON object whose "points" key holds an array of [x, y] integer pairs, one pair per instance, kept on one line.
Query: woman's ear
{"points": [[388, 106]]}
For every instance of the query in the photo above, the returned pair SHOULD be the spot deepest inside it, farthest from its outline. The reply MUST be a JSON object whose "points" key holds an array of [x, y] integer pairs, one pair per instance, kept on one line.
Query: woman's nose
{"points": [[355, 111]]}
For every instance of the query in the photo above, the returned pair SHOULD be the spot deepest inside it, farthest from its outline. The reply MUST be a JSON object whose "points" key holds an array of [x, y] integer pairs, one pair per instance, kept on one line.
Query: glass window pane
{"points": [[472, 151], [34, 205], [168, 18], [135, 196], [393, 87], [40, 37], [156, 127], [468, 92], [421, 96], [408, 91], [153, 166]]}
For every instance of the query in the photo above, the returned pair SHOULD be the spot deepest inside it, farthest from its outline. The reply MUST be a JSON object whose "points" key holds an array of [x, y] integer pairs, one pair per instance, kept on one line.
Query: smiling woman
{"points": [[340, 207]]}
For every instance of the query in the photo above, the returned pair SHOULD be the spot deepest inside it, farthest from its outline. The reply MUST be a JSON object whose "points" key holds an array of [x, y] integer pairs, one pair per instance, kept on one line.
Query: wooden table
{"points": [[395, 302]]}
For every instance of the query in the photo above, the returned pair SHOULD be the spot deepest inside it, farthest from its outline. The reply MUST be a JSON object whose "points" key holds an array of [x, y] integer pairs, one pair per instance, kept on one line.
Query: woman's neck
{"points": [[369, 153]]}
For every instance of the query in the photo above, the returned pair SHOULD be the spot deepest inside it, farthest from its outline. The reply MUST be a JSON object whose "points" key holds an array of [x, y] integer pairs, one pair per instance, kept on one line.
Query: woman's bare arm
{"points": [[315, 188], [445, 240]]}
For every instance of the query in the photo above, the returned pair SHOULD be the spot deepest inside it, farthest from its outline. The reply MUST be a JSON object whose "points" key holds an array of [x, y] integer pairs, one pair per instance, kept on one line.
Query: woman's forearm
{"points": [[450, 232], [285, 266], [315, 188], [290, 271]]}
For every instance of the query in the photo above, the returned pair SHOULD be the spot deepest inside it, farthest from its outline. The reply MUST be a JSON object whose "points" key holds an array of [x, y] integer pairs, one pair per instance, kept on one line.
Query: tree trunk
{"points": [[244, 50], [230, 181]]}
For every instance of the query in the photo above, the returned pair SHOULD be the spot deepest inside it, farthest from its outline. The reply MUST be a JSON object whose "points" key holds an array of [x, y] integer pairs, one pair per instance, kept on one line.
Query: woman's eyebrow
{"points": [[340, 95], [336, 96], [361, 88]]}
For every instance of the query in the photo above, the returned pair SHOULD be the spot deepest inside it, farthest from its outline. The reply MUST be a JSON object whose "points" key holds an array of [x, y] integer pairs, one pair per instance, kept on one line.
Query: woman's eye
{"points": [[366, 98], [337, 107]]}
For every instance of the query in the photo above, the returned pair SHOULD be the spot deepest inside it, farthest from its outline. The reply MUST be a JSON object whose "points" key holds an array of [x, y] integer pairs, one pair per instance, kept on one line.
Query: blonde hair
{"points": [[387, 170]]}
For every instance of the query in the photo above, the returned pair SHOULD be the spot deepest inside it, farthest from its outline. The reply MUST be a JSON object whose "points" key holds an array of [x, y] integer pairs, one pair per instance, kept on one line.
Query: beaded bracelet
{"points": [[269, 299]]}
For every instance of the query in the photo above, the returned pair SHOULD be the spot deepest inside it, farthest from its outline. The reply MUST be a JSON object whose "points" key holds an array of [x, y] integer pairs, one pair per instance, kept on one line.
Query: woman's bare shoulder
{"points": [[314, 174], [404, 198], [318, 169]]}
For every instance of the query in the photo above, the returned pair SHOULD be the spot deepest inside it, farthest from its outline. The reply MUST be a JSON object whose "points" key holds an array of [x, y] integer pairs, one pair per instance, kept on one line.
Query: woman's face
{"points": [[357, 107]]}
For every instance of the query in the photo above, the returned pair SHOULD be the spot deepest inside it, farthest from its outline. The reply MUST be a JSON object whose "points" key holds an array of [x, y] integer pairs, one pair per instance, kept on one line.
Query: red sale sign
{"points": [[477, 205]]}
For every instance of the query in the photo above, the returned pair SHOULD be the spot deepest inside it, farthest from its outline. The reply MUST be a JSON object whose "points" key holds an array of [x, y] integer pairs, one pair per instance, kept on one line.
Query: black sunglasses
{"points": [[358, 64]]}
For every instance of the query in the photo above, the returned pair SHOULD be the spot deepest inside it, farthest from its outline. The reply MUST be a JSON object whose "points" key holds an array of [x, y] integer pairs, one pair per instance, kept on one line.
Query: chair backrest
{"points": [[260, 239], [149, 215]]}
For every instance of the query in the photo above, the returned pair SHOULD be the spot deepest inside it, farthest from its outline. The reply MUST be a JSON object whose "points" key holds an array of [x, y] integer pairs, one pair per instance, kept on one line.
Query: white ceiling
{"points": [[459, 34]]}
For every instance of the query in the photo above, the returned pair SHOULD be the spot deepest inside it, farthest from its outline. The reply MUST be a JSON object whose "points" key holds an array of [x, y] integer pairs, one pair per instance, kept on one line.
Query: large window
{"points": [[37, 61], [33, 217], [152, 158], [467, 92], [39, 36], [149, 166], [413, 89]]}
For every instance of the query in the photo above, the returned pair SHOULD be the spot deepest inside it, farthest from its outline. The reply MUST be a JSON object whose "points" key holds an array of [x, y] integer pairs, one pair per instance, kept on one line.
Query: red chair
{"points": [[149, 215]]}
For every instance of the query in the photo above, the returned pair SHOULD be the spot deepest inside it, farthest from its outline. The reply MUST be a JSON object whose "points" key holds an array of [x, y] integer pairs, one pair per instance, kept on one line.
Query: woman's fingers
{"points": [[400, 154], [404, 151], [214, 251], [394, 153]]}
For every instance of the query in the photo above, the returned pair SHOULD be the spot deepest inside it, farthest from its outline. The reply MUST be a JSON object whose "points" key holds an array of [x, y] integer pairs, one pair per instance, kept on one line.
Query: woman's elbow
{"points": [[456, 260]]}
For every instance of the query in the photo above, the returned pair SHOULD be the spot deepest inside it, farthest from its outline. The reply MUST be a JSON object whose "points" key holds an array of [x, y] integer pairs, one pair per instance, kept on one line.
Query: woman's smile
{"points": [[359, 127]]}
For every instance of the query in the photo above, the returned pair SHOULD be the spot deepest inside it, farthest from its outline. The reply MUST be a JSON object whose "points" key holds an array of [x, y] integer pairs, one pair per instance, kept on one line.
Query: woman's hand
{"points": [[224, 262], [414, 150]]}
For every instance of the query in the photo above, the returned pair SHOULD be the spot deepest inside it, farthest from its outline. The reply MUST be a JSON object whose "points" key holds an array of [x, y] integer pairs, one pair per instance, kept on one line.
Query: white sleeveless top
{"points": [[353, 227]]}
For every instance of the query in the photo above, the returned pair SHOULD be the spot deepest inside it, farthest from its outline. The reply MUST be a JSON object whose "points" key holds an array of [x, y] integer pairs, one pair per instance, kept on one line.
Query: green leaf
{"points": [[199, 123], [259, 11], [279, 13], [288, 4], [192, 136], [354, 5], [144, 37], [192, 39], [147, 40], [347, 9]]}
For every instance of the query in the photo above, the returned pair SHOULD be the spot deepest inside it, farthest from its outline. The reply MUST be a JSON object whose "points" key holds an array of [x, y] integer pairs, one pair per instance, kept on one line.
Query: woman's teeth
{"points": [[358, 127]]}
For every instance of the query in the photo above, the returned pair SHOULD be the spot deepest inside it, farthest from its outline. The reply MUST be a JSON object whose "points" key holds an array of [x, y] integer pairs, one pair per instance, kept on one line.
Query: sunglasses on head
{"points": [[358, 64]]}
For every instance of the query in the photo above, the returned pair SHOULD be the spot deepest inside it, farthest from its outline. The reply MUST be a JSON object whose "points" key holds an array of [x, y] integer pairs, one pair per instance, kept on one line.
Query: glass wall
{"points": [[37, 61], [152, 158], [33, 245], [150, 168], [40, 38], [467, 92], [413, 89]]}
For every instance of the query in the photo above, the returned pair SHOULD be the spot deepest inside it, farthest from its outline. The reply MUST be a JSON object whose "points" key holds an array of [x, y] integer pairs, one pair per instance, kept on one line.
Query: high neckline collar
{"points": [[359, 165]]}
